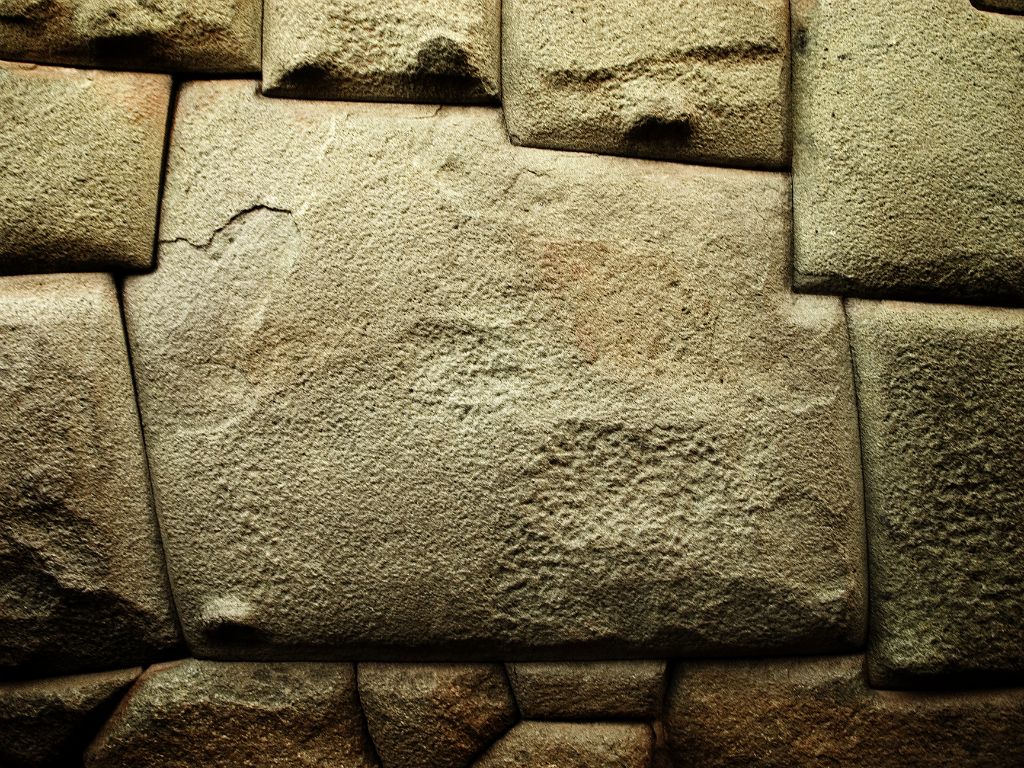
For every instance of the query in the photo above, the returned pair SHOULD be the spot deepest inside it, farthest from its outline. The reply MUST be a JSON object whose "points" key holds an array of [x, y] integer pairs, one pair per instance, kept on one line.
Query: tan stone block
{"points": [[80, 157], [704, 82], [572, 745]]}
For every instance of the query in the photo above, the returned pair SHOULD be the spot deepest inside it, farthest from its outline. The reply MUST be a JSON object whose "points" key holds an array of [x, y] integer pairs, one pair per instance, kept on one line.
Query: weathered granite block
{"points": [[164, 35], [411, 390], [941, 394], [82, 581], [696, 81], [572, 745], [815, 712], [224, 715], [435, 715], [595, 690], [414, 50], [909, 149], [80, 156], [49, 723]]}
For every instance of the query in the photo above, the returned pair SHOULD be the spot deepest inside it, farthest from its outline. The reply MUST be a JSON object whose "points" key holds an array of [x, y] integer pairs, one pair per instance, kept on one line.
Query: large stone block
{"points": [[413, 50], [224, 715], [941, 394], [82, 581], [435, 715], [164, 35], [49, 723], [80, 157], [572, 745], [410, 389], [909, 149], [594, 690], [704, 82], [812, 712]]}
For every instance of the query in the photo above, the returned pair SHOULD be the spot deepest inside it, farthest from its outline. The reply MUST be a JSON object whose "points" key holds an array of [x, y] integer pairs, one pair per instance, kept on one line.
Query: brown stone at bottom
{"points": [[814, 712]]}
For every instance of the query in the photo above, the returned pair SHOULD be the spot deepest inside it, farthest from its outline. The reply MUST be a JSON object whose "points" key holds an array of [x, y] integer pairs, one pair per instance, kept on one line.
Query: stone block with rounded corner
{"points": [[410, 391], [413, 50], [704, 82], [589, 690], [806, 713], [909, 150], [941, 395], [212, 36], [46, 723], [434, 715], [572, 745], [228, 714], [80, 164], [82, 579]]}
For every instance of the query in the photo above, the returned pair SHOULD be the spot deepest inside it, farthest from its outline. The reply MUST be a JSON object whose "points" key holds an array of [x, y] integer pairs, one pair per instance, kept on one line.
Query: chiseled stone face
{"points": [[82, 582], [435, 715], [589, 690], [444, 51], [80, 155], [941, 394], [410, 389], [572, 745], [212, 36], [50, 722], [805, 713], [227, 714], [909, 149], [704, 82]]}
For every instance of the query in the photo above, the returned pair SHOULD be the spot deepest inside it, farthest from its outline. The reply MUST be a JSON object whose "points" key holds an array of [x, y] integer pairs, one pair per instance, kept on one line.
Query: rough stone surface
{"points": [[163, 35], [815, 712], [579, 690], [444, 51], [82, 582], [409, 389], [79, 167], [51, 722], [223, 714], [697, 81], [909, 149], [941, 393], [572, 745], [435, 715]]}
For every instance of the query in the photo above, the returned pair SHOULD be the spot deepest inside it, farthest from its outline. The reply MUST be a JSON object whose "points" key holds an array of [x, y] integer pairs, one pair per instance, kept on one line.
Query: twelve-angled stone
{"points": [[82, 582], [693, 80], [941, 394], [909, 149], [80, 156], [410, 389], [164, 35]]}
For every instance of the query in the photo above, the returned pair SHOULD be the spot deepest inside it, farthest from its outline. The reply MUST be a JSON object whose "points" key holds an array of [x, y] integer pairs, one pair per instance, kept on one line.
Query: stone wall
{"points": [[511, 384]]}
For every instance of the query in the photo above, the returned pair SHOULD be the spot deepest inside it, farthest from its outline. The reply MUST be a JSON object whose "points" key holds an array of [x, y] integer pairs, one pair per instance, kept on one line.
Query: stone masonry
{"points": [[511, 384]]}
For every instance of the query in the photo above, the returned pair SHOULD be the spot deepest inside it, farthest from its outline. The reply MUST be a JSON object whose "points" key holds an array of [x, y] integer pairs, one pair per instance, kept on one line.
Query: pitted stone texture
{"points": [[51, 722], [82, 582], [80, 156], [941, 393], [812, 712], [445, 51], [229, 714], [411, 390], [580, 690], [696, 81], [572, 745], [909, 149], [212, 36], [435, 715]]}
